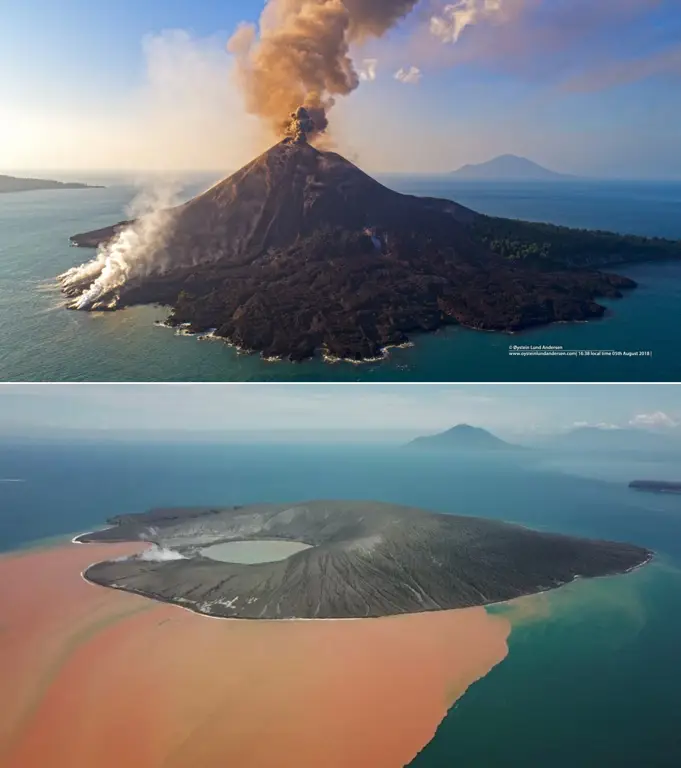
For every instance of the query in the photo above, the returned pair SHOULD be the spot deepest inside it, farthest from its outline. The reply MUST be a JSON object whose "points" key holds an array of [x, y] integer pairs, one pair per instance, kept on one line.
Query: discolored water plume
{"points": [[101, 677], [301, 56], [46, 610]]}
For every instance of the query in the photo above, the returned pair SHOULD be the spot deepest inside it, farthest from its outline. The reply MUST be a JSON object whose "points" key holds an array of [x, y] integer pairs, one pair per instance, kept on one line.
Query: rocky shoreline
{"points": [[300, 254]]}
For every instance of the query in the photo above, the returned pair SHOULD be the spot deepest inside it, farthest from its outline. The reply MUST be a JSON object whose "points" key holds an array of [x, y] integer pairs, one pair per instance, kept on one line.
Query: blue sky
{"points": [[152, 410], [584, 86]]}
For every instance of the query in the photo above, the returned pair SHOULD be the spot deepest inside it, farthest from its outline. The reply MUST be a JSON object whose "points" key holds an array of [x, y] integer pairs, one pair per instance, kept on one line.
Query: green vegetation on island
{"points": [[550, 245]]}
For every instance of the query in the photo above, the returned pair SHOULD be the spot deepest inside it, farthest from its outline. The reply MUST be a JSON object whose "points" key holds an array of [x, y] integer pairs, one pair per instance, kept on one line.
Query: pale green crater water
{"points": [[251, 552]]}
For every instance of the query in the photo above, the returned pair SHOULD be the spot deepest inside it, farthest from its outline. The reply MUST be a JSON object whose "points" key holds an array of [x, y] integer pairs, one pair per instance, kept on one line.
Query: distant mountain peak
{"points": [[509, 167], [466, 429], [464, 437]]}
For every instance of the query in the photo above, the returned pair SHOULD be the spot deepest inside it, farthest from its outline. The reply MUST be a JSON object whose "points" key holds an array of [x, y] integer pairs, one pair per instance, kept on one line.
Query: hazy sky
{"points": [[584, 86], [506, 409]]}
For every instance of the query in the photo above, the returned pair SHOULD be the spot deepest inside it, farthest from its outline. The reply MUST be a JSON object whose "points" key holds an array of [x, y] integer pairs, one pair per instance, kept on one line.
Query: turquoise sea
{"points": [[42, 341], [592, 678]]}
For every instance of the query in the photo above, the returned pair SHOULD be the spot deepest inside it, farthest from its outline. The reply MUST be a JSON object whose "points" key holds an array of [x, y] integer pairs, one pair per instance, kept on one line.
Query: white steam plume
{"points": [[455, 17], [158, 554], [135, 251], [367, 71]]}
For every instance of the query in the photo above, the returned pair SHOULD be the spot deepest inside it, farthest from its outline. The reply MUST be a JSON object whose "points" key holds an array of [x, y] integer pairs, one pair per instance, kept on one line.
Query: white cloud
{"points": [[410, 76], [195, 410], [656, 419], [253, 408], [455, 17], [368, 69]]}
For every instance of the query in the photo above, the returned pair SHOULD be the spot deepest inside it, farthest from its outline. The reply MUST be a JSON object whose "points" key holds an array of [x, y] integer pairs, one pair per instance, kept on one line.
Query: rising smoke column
{"points": [[134, 251], [301, 56]]}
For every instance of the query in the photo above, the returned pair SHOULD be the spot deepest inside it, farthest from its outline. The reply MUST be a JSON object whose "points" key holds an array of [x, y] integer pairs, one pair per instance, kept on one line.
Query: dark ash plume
{"points": [[300, 57]]}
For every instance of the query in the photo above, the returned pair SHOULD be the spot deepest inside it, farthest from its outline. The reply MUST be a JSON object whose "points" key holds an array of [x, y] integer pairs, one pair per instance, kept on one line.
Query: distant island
{"points": [[15, 184], [342, 559], [509, 168], [656, 486], [463, 437]]}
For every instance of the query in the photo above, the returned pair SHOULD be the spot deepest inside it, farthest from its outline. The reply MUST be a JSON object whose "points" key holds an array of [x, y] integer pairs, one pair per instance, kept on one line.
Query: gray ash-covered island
{"points": [[342, 559]]}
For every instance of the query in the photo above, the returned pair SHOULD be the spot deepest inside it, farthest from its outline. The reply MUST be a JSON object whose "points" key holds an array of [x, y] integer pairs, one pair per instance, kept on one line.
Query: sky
{"points": [[582, 86], [328, 411]]}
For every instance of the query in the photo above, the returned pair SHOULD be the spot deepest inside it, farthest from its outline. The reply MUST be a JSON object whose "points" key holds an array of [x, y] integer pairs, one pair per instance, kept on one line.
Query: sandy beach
{"points": [[100, 677]]}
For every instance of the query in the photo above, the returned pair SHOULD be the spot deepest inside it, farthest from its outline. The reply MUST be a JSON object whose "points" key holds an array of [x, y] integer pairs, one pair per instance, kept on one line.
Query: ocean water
{"points": [[40, 341], [592, 679]]}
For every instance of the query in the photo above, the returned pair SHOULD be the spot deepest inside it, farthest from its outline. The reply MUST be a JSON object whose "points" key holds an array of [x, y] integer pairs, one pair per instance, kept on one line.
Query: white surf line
{"points": [[633, 568], [12, 480], [218, 618], [76, 539]]}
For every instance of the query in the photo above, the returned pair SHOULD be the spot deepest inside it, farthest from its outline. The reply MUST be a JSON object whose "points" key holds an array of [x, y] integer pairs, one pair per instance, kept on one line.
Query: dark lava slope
{"points": [[366, 559], [301, 251]]}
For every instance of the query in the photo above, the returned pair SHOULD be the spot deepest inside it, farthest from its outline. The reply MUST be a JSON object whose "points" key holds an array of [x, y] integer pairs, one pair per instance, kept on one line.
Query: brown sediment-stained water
{"points": [[97, 677]]}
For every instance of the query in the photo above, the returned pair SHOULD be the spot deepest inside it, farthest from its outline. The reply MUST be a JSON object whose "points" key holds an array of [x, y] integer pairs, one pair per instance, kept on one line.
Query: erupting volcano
{"points": [[301, 251]]}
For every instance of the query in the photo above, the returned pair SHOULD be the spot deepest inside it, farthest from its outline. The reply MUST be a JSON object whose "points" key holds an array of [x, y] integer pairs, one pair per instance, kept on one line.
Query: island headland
{"points": [[354, 560], [17, 184], [301, 253], [656, 486]]}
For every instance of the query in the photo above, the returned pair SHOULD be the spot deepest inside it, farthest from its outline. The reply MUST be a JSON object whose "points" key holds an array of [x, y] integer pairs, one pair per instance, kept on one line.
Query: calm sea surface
{"points": [[592, 680], [39, 340]]}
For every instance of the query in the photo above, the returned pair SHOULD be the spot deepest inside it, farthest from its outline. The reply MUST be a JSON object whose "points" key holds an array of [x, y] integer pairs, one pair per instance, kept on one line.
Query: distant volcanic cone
{"points": [[300, 251]]}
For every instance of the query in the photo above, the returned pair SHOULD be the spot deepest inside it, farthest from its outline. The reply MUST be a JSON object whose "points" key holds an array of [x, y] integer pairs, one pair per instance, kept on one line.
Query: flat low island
{"points": [[342, 559], [656, 486], [16, 184]]}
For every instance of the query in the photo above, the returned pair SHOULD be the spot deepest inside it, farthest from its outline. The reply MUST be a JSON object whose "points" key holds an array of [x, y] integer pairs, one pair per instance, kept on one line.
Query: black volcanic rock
{"points": [[463, 437], [656, 486], [363, 559], [300, 251]]}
